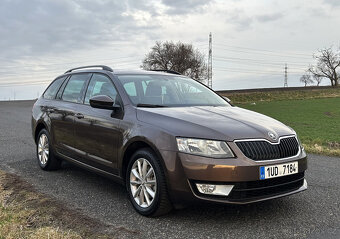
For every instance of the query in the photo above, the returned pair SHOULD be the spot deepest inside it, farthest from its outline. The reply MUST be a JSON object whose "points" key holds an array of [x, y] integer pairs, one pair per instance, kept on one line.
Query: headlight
{"points": [[299, 141], [208, 148]]}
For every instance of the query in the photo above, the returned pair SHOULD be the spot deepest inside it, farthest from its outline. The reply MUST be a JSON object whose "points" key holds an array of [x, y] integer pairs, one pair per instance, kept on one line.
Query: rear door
{"points": [[50, 105], [62, 118], [97, 130]]}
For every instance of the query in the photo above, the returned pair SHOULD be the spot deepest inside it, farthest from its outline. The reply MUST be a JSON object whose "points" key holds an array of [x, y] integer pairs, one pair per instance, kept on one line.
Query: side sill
{"points": [[114, 177]]}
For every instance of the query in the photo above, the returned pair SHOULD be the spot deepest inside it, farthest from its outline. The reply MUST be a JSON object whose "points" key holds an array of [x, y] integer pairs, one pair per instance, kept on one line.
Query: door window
{"points": [[53, 88], [130, 88], [74, 88], [100, 85]]}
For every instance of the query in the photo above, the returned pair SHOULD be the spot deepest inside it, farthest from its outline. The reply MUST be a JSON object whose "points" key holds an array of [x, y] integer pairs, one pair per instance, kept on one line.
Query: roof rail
{"points": [[106, 68], [169, 71]]}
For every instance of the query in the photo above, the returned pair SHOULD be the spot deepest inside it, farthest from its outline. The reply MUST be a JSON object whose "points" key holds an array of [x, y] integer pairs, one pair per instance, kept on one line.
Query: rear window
{"points": [[53, 88], [74, 88]]}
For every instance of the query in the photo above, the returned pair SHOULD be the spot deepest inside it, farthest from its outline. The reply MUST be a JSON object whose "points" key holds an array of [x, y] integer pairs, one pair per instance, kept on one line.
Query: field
{"points": [[249, 96], [314, 115]]}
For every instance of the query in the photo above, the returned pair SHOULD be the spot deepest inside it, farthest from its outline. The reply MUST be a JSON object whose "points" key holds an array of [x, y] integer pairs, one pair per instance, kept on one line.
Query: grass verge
{"points": [[316, 121], [26, 213]]}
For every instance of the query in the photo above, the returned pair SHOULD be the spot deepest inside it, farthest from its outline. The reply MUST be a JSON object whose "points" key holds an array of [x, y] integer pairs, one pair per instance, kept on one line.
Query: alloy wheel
{"points": [[43, 149], [143, 184]]}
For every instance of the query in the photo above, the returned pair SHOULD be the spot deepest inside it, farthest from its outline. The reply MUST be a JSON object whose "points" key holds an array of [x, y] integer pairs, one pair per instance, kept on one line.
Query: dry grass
{"points": [[322, 149], [25, 213]]}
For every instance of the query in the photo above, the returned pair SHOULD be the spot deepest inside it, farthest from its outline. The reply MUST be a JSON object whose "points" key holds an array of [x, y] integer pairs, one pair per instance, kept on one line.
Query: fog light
{"points": [[212, 189]]}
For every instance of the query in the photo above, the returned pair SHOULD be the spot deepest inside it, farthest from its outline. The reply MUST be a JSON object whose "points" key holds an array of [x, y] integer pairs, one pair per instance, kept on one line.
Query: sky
{"points": [[251, 40]]}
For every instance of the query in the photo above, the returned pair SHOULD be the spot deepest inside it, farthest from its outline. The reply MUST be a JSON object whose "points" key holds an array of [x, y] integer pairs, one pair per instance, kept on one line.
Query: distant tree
{"points": [[306, 79], [179, 57], [317, 79], [327, 65]]}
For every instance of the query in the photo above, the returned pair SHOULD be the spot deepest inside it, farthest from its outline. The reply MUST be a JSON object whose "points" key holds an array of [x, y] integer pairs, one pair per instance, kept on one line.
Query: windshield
{"points": [[164, 91]]}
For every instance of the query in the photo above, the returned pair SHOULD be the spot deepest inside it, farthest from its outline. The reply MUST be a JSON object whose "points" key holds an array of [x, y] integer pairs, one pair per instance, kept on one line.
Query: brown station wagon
{"points": [[168, 138]]}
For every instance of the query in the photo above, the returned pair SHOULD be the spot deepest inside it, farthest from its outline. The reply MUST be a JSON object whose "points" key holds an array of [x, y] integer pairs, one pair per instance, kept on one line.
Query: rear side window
{"points": [[53, 88], [74, 88]]}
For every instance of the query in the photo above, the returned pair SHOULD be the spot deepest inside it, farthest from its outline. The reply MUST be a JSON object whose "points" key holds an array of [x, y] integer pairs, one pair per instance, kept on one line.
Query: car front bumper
{"points": [[185, 170]]}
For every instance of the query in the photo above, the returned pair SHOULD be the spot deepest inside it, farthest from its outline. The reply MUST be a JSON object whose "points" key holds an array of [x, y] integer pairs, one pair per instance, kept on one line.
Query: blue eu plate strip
{"points": [[262, 173]]}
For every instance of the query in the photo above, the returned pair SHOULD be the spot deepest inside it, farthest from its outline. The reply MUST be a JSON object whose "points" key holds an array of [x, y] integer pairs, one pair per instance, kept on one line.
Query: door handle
{"points": [[79, 116]]}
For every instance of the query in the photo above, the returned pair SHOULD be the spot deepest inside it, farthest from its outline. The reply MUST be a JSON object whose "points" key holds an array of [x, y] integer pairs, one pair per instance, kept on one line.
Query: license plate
{"points": [[278, 170]]}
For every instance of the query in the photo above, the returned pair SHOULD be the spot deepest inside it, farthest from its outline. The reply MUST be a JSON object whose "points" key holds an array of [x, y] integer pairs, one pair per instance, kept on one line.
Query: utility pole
{"points": [[286, 77], [210, 62]]}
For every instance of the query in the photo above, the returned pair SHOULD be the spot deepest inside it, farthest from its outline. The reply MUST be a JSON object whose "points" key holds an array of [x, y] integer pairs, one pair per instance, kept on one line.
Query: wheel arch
{"points": [[132, 146], [40, 125]]}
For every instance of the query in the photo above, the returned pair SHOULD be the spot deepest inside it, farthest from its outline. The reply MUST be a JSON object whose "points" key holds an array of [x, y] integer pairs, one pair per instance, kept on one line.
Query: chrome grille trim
{"points": [[260, 152]]}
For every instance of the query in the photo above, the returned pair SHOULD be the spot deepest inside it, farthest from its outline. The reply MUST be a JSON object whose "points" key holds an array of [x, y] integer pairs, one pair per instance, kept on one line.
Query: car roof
{"points": [[139, 72]]}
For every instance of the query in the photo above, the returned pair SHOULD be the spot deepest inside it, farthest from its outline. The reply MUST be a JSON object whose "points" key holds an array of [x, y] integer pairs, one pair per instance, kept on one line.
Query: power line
{"points": [[24, 83], [254, 70], [6, 74], [254, 63], [256, 60], [64, 63], [231, 69], [251, 72], [30, 76], [266, 54], [262, 50]]}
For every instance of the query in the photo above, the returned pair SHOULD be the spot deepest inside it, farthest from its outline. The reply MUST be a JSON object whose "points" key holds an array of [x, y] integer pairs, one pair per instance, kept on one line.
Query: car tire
{"points": [[45, 155], [145, 173]]}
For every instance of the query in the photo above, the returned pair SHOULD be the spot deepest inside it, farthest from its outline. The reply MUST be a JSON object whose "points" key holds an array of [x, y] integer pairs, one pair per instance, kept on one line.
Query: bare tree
{"points": [[179, 57], [306, 79], [327, 65], [317, 79]]}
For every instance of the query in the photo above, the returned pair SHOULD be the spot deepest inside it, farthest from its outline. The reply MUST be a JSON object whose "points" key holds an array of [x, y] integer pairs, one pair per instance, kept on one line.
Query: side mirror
{"points": [[103, 102]]}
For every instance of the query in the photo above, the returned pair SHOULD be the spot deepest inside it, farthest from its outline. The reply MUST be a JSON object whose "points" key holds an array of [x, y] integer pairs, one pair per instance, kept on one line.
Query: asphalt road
{"points": [[310, 214]]}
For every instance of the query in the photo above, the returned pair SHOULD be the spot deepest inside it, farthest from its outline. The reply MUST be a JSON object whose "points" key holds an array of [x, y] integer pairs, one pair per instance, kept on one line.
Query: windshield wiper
{"points": [[150, 105]]}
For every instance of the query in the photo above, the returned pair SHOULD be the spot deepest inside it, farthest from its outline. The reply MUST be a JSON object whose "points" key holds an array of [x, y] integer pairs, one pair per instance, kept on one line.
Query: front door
{"points": [[97, 130]]}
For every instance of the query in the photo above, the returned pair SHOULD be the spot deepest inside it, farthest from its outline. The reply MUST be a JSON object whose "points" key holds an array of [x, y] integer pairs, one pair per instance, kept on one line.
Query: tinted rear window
{"points": [[53, 88], [74, 88]]}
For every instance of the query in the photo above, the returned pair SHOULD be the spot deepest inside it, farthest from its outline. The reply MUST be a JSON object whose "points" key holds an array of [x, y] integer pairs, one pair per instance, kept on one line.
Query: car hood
{"points": [[223, 123]]}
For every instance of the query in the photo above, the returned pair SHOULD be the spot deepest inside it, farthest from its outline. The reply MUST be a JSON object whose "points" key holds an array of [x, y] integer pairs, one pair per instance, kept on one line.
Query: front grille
{"points": [[244, 191], [263, 150]]}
